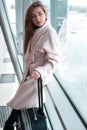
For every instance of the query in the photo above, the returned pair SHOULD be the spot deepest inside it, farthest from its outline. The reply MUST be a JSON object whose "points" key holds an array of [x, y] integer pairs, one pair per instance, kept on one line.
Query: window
{"points": [[73, 55]]}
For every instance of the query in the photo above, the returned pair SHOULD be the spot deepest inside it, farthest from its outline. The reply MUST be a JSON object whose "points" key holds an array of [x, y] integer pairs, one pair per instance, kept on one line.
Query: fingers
{"points": [[35, 74]]}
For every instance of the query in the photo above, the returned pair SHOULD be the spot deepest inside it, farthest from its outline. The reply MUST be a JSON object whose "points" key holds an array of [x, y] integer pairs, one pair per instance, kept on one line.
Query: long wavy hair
{"points": [[29, 27]]}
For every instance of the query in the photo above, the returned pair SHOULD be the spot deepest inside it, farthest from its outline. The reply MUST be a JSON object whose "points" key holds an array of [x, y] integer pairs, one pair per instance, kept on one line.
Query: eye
{"points": [[33, 16], [40, 13]]}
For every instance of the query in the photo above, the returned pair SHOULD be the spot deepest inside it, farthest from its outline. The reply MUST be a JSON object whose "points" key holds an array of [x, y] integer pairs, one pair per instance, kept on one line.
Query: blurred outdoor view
{"points": [[73, 55]]}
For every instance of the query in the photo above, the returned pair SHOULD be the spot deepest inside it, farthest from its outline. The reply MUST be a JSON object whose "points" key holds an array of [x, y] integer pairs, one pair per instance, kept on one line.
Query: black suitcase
{"points": [[33, 118]]}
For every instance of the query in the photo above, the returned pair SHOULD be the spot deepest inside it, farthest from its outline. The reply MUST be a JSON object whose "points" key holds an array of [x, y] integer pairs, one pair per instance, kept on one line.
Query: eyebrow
{"points": [[37, 12]]}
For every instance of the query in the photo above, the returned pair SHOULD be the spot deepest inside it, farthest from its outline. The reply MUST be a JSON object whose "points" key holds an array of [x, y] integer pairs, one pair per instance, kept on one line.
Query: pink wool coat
{"points": [[42, 55]]}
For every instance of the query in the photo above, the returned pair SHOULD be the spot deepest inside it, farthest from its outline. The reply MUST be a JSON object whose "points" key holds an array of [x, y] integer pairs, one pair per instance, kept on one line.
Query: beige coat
{"points": [[42, 55]]}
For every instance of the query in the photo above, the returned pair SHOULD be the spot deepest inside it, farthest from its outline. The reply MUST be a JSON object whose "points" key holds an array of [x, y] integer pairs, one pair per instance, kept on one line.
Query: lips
{"points": [[39, 23]]}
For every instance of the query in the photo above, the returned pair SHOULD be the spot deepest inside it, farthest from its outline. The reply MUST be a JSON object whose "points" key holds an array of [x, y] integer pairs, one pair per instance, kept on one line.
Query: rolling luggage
{"points": [[33, 118]]}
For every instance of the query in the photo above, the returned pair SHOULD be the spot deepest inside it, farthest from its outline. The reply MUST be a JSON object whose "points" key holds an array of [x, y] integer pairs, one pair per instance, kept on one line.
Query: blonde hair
{"points": [[29, 26]]}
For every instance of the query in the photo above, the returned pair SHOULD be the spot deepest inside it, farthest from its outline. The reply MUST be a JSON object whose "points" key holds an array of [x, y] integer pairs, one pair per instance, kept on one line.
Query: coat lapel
{"points": [[38, 34]]}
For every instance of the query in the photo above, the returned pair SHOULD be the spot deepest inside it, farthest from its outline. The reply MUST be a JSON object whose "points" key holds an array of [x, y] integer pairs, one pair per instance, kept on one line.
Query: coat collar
{"points": [[38, 34]]}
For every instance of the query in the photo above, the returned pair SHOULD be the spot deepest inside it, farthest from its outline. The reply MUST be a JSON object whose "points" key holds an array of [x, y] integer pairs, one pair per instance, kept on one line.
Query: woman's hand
{"points": [[35, 74]]}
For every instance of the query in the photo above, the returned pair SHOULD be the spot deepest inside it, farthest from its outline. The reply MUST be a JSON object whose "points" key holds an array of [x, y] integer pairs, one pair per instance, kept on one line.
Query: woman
{"points": [[41, 53]]}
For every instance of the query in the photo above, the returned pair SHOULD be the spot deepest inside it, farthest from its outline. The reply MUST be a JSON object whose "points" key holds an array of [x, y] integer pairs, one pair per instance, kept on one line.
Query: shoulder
{"points": [[49, 29], [50, 32]]}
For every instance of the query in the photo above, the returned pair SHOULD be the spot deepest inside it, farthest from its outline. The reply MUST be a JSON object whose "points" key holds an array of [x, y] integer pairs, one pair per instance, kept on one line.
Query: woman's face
{"points": [[38, 16]]}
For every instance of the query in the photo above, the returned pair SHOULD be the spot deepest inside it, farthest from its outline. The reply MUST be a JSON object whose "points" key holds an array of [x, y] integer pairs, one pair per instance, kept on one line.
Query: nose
{"points": [[37, 18]]}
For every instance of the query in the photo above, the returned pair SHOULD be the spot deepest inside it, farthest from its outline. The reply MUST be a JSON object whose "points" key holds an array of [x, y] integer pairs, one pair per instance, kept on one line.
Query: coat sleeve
{"points": [[50, 47]]}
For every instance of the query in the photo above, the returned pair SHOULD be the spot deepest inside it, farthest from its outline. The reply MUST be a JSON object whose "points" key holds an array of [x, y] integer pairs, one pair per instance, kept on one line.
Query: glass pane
{"points": [[8, 79], [73, 54], [11, 14]]}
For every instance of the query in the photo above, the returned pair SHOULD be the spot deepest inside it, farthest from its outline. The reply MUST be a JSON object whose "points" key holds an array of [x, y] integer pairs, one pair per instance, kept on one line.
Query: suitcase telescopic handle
{"points": [[40, 96]]}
